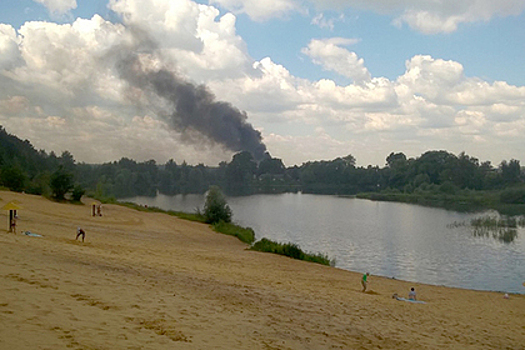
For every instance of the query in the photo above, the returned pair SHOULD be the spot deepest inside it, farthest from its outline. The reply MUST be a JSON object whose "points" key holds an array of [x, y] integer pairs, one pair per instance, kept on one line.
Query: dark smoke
{"points": [[193, 107]]}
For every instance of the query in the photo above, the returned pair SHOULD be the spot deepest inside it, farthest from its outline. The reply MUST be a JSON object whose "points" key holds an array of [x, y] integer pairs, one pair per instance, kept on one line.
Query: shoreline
{"points": [[152, 281], [514, 287]]}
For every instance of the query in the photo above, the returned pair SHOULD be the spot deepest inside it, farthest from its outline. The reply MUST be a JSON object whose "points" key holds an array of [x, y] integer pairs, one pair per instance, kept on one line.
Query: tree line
{"points": [[23, 168]]}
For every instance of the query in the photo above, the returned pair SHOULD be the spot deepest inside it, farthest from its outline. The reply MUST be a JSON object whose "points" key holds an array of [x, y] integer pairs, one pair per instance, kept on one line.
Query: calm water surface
{"points": [[398, 240]]}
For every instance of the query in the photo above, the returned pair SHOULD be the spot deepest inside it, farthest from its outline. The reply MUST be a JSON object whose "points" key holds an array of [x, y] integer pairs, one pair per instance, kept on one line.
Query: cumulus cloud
{"points": [[59, 88], [58, 7], [63, 69], [331, 56], [190, 35], [9, 42], [432, 105]]}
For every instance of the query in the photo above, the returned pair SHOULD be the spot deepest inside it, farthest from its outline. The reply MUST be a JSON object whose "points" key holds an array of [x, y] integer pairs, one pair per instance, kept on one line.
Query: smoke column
{"points": [[193, 107]]}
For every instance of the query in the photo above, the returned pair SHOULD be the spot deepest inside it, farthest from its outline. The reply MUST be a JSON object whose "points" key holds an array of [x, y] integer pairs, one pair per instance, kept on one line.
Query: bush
{"points": [[215, 207], [289, 249], [77, 193], [244, 234], [448, 188], [513, 196]]}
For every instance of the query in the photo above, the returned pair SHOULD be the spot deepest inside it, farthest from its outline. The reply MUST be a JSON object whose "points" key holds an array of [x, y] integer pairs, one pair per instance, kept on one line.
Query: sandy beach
{"points": [[152, 281]]}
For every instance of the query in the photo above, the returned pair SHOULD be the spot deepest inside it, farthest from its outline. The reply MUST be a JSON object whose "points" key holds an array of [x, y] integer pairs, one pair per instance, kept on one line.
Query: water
{"points": [[398, 240]]}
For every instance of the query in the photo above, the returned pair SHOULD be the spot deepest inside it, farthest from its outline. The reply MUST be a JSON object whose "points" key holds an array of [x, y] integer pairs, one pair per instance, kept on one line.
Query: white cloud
{"points": [[322, 22], [300, 147], [58, 7], [9, 42], [260, 10], [426, 16], [329, 54], [444, 17], [189, 35], [59, 88]]}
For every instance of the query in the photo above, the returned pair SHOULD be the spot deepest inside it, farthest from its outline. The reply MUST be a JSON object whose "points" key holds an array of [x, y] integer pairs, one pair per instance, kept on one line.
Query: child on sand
{"points": [[412, 294], [364, 282], [12, 225], [80, 232]]}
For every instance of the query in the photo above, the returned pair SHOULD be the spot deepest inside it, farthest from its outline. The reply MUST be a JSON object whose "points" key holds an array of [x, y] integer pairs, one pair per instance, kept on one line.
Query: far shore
{"points": [[144, 280]]}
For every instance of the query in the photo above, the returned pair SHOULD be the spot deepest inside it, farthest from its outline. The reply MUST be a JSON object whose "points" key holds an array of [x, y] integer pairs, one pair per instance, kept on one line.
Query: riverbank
{"points": [[466, 201], [153, 281]]}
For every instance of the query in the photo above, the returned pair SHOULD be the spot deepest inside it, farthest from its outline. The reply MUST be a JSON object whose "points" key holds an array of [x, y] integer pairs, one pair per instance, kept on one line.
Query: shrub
{"points": [[513, 196], [244, 234], [289, 249], [215, 207], [77, 193], [448, 187]]}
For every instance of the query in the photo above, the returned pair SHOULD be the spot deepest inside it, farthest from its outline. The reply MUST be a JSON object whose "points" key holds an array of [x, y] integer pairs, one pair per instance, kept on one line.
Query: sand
{"points": [[153, 281]]}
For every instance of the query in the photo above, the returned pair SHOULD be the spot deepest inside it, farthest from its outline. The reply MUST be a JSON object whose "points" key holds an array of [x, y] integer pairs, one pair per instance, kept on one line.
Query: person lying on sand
{"points": [[80, 232], [397, 297]]}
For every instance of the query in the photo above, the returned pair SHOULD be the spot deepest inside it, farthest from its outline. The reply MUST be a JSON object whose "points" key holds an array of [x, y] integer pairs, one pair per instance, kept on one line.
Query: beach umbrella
{"points": [[12, 207]]}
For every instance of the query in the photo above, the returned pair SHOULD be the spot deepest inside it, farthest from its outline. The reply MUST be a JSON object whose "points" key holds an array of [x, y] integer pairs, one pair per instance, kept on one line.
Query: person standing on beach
{"points": [[364, 281], [12, 225], [80, 232]]}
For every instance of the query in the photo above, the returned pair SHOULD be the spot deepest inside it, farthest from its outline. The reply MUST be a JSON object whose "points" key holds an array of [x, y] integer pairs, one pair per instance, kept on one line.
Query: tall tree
{"points": [[61, 183]]}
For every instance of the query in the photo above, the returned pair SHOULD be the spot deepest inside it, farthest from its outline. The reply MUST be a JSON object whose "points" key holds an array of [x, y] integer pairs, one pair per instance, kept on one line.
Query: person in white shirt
{"points": [[412, 294]]}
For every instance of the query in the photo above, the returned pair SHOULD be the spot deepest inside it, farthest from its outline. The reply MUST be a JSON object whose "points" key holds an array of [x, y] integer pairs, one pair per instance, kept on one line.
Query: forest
{"points": [[434, 174]]}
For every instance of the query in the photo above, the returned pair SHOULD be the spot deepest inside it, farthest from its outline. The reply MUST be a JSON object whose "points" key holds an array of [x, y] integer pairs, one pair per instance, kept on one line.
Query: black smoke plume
{"points": [[191, 108]]}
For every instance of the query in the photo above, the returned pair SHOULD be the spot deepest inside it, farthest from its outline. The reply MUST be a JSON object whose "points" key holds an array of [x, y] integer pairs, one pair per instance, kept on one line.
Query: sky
{"points": [[304, 79]]}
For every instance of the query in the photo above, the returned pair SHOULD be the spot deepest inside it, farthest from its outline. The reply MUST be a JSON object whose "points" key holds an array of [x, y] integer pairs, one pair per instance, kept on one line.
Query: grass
{"points": [[244, 234], [489, 221], [291, 250]]}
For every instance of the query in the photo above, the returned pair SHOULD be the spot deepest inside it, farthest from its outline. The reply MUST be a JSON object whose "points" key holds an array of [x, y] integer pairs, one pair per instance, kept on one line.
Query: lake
{"points": [[403, 241]]}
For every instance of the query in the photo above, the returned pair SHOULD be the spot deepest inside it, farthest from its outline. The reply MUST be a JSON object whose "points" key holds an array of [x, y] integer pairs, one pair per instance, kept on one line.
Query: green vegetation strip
{"points": [[291, 250], [463, 201], [244, 234]]}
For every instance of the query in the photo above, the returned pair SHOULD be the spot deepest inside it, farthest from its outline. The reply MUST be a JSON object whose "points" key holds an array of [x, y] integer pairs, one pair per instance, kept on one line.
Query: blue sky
{"points": [[355, 76], [493, 50]]}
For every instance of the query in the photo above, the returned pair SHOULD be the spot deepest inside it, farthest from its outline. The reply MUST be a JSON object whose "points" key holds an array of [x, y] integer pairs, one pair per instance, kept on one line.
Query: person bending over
{"points": [[80, 232]]}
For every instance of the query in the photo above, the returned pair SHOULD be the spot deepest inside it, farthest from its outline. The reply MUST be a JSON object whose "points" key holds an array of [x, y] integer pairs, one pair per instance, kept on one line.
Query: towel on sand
{"points": [[27, 233], [409, 300]]}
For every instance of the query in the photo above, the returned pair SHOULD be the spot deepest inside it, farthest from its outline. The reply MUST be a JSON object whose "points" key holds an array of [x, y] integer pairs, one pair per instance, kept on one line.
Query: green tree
{"points": [[14, 178], [61, 183], [240, 173], [78, 192], [511, 171], [215, 207]]}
